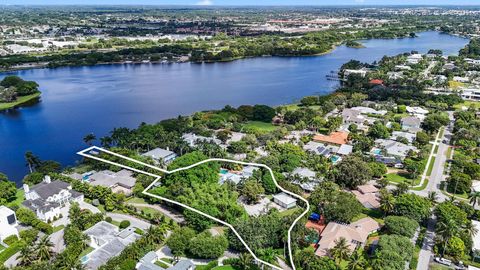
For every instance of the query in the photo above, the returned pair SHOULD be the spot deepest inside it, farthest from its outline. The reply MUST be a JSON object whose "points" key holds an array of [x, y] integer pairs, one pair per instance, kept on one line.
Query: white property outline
{"points": [[157, 178]]}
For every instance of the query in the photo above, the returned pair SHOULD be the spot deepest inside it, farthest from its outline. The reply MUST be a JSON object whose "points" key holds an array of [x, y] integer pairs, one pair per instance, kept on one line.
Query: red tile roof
{"points": [[338, 138]]}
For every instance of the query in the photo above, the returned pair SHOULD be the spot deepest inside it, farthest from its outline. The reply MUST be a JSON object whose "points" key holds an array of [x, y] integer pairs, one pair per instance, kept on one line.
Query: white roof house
{"points": [[476, 237], [416, 110], [345, 149], [368, 110], [407, 135], [159, 154], [285, 200], [8, 221], [192, 139], [395, 149]]}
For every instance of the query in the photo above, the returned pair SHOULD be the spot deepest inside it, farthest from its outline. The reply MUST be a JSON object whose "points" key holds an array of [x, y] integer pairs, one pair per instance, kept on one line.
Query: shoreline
{"points": [[19, 102], [41, 65]]}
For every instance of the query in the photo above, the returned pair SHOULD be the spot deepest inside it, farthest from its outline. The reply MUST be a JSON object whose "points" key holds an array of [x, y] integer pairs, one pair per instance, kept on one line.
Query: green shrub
{"points": [[108, 219], [124, 224], [11, 240]]}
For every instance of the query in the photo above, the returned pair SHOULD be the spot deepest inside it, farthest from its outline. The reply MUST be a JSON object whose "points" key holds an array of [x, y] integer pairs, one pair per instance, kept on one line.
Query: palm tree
{"points": [[44, 249], [433, 197], [340, 251], [387, 203], [446, 229], [89, 138], [32, 161], [356, 261], [474, 197], [245, 261], [470, 229], [268, 255], [106, 141], [26, 256]]}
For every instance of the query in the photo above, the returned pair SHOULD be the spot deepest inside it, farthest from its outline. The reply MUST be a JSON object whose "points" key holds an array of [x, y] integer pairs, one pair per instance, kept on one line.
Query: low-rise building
{"points": [[8, 223], [192, 139], [160, 155], [411, 123], [107, 241], [394, 148], [368, 196], [335, 138], [120, 182], [355, 233], [476, 238], [402, 134], [48, 197], [284, 200]]}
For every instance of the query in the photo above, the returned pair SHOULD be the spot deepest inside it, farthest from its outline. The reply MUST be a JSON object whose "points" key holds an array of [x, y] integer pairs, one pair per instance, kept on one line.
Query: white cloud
{"points": [[205, 3]]}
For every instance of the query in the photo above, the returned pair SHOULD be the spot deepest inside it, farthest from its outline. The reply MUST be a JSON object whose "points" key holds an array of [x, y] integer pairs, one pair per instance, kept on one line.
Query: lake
{"points": [[76, 101]]}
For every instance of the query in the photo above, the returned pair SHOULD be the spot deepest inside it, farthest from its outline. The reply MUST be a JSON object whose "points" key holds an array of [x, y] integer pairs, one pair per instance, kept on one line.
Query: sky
{"points": [[240, 2]]}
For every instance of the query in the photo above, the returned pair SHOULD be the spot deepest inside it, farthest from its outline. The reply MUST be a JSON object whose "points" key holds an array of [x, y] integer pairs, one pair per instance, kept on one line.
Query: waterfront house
{"points": [[48, 197], [8, 223], [160, 155], [192, 139], [120, 182], [355, 233]]}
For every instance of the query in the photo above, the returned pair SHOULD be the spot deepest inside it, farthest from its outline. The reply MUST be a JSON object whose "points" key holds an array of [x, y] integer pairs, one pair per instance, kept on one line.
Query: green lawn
{"points": [[20, 198], [224, 267], [58, 228], [136, 200], [19, 101], [86, 251], [288, 212], [467, 104], [259, 126], [400, 178], [430, 166], [161, 264]]}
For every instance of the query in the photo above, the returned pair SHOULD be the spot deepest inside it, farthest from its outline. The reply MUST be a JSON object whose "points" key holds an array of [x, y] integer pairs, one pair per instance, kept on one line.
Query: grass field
{"points": [[19, 101], [20, 198], [86, 251], [224, 267], [430, 166], [400, 177], [467, 104], [260, 126]]}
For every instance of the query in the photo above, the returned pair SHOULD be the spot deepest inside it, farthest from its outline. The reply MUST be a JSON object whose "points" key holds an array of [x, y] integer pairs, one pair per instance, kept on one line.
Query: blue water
{"points": [[80, 100]]}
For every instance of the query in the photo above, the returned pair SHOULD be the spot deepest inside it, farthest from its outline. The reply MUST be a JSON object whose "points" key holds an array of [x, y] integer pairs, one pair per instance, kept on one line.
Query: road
{"points": [[436, 177]]}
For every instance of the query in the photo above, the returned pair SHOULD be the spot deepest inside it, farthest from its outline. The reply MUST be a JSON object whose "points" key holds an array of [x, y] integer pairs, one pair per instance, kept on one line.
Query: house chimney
{"points": [[26, 188], [168, 148], [47, 179]]}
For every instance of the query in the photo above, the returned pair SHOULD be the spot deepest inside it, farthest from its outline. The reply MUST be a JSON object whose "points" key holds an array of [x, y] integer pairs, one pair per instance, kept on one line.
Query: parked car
{"points": [[443, 261]]}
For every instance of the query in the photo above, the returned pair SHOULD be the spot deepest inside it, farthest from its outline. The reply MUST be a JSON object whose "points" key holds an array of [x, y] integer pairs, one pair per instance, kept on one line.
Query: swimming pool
{"points": [[334, 158], [84, 259], [377, 151], [223, 171]]}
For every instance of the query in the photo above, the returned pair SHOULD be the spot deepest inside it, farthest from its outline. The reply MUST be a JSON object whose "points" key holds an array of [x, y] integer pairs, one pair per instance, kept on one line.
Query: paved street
{"points": [[428, 242], [177, 217]]}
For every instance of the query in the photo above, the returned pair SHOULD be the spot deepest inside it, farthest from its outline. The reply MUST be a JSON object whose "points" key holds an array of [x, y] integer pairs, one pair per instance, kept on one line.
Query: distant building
{"points": [[284, 200], [47, 198], [164, 156], [192, 139], [8, 222], [361, 72], [470, 94]]}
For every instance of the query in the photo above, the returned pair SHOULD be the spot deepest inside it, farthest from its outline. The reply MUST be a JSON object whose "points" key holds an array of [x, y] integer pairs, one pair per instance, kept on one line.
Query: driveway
{"points": [[174, 215], [428, 242], [85, 205], [134, 222], [57, 240]]}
